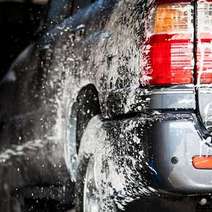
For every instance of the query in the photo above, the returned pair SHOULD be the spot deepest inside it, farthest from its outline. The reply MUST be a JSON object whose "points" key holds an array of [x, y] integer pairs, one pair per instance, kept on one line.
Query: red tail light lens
{"points": [[171, 60]]}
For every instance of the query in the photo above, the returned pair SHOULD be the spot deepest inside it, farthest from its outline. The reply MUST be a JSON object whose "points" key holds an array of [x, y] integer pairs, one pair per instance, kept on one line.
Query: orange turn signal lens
{"points": [[171, 18], [202, 162]]}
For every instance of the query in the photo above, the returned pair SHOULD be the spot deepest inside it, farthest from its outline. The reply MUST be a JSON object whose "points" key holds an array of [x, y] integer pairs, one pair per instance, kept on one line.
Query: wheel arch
{"points": [[85, 106]]}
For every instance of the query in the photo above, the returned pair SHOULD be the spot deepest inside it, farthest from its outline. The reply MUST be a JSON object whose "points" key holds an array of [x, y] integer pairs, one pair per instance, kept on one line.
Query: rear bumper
{"points": [[174, 143]]}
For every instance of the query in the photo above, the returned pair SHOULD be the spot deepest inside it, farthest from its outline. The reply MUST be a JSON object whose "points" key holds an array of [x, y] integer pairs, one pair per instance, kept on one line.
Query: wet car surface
{"points": [[95, 115]]}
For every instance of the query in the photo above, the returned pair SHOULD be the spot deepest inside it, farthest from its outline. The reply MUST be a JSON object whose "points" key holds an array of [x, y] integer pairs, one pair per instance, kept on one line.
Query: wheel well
{"points": [[87, 106]]}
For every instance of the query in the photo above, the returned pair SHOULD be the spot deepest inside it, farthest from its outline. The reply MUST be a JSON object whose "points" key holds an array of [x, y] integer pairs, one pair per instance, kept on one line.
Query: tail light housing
{"points": [[169, 50]]}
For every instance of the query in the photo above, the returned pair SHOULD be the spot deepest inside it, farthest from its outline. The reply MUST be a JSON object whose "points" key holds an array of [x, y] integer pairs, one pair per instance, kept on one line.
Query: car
{"points": [[121, 93]]}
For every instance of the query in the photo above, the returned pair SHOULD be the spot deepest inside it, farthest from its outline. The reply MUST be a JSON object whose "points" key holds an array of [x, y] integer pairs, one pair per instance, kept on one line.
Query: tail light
{"points": [[169, 50], [169, 57]]}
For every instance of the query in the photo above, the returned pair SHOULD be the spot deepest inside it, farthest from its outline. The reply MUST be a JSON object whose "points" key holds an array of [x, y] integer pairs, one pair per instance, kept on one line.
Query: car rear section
{"points": [[177, 70], [160, 132], [175, 93]]}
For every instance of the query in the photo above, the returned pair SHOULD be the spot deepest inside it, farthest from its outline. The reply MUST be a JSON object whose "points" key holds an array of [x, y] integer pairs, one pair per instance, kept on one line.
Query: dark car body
{"points": [[15, 18], [80, 86]]}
